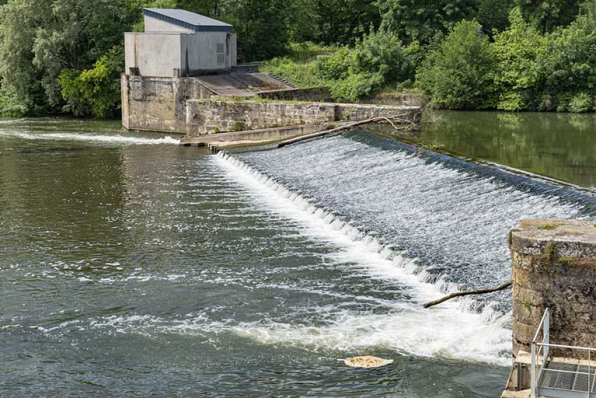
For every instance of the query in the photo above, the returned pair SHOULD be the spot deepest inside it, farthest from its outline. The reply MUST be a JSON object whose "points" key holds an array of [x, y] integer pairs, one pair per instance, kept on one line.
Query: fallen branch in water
{"points": [[339, 130], [469, 293]]}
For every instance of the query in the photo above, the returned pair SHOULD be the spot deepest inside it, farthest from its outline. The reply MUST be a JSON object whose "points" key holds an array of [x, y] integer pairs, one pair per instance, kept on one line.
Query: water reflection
{"points": [[561, 146]]}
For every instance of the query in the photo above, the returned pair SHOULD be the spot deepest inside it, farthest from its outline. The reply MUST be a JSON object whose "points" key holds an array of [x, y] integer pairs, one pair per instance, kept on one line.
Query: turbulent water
{"points": [[130, 266]]}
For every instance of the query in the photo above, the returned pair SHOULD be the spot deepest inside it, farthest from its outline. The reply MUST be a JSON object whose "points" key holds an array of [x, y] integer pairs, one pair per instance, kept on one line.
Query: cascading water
{"points": [[131, 266], [449, 217]]}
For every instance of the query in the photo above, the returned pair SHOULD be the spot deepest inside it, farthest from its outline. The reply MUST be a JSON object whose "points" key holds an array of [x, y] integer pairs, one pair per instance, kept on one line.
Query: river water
{"points": [[130, 266]]}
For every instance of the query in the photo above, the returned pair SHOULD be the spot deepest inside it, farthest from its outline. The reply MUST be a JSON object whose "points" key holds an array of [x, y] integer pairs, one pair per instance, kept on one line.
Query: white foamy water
{"points": [[450, 330], [107, 139], [456, 221]]}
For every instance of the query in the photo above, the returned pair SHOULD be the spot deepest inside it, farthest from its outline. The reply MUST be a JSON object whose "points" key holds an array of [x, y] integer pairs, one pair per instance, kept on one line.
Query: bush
{"points": [[459, 74], [376, 61], [517, 50], [94, 92], [580, 103], [304, 75]]}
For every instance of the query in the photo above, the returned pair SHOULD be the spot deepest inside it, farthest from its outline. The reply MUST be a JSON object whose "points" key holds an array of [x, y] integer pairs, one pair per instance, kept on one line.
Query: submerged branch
{"points": [[469, 293]]}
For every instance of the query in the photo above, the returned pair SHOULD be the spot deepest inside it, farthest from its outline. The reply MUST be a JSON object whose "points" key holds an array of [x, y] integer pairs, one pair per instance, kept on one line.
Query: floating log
{"points": [[468, 293], [341, 129]]}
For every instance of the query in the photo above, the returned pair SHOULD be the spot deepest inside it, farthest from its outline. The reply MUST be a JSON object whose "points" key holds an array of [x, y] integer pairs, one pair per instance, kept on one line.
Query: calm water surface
{"points": [[557, 145], [130, 266]]}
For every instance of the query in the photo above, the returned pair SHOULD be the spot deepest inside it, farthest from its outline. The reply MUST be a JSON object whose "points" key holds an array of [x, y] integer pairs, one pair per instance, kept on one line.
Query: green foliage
{"points": [[301, 74], [344, 21], [422, 20], [40, 40], [261, 26], [377, 60], [581, 103], [493, 15], [458, 75], [570, 60], [516, 78], [94, 92], [546, 15]]}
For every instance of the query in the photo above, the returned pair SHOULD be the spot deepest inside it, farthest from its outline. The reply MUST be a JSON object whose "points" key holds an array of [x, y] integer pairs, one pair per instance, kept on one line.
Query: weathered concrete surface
{"points": [[204, 117], [554, 266], [158, 104], [213, 116], [257, 136]]}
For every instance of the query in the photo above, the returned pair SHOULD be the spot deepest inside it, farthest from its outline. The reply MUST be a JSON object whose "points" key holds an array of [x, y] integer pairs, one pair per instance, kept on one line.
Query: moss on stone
{"points": [[549, 250], [549, 227]]}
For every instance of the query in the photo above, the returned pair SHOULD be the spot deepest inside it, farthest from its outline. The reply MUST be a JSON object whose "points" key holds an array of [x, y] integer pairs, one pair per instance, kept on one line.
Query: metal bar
{"points": [[534, 383], [540, 325], [565, 371], [566, 346], [589, 371]]}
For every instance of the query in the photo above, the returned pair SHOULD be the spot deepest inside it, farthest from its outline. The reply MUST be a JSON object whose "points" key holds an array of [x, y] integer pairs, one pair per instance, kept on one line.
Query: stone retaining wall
{"points": [[205, 117], [211, 116], [554, 266]]}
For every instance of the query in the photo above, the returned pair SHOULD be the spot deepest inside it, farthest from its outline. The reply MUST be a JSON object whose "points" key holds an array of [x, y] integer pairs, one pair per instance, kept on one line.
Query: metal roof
{"points": [[188, 20]]}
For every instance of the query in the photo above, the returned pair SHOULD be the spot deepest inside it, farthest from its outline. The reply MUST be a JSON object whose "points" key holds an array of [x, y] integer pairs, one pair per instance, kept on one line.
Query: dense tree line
{"points": [[66, 55]]}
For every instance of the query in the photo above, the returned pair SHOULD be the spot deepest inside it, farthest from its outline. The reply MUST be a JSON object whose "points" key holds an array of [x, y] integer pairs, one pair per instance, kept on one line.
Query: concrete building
{"points": [[178, 43]]}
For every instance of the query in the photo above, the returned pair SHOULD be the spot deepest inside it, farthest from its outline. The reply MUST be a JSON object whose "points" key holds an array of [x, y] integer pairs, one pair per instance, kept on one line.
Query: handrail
{"points": [[570, 347], [543, 348], [542, 322]]}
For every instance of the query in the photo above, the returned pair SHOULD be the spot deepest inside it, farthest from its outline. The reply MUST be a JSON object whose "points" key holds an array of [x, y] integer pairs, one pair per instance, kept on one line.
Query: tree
{"points": [[345, 21], [493, 15], [517, 51], [261, 28], [422, 20], [569, 63], [40, 40], [546, 15], [458, 75], [94, 92]]}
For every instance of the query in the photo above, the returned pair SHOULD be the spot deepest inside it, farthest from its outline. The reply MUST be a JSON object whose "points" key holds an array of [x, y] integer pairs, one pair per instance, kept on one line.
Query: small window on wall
{"points": [[221, 56]]}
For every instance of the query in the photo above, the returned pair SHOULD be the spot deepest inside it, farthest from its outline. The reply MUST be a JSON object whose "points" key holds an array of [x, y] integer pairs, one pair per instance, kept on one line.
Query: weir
{"points": [[425, 206]]}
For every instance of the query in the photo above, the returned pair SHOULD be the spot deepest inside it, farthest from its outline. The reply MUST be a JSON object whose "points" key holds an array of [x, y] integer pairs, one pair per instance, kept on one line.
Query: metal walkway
{"points": [[560, 377], [566, 380]]}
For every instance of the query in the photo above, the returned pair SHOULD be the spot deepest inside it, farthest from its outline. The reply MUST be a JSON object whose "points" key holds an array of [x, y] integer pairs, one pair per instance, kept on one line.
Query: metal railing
{"points": [[567, 383], [540, 348]]}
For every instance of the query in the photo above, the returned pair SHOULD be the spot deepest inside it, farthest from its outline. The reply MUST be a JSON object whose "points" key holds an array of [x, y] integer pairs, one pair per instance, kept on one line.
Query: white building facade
{"points": [[178, 43]]}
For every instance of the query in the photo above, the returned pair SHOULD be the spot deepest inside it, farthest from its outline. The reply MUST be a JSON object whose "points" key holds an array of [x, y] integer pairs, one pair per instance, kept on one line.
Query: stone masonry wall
{"points": [[205, 117], [357, 112], [554, 266], [210, 116], [158, 104]]}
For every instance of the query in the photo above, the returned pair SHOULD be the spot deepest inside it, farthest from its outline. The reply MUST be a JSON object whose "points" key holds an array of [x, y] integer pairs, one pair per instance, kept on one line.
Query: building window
{"points": [[221, 56]]}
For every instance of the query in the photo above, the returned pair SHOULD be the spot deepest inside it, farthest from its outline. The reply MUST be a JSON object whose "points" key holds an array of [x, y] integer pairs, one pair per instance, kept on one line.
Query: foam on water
{"points": [[106, 139], [451, 330], [452, 216]]}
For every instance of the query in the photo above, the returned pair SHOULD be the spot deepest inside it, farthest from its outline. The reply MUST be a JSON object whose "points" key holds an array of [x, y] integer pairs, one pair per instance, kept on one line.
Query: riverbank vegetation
{"points": [[62, 56]]}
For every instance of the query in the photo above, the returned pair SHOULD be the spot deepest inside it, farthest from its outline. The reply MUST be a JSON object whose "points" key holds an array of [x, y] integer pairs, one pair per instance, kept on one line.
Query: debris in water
{"points": [[367, 362]]}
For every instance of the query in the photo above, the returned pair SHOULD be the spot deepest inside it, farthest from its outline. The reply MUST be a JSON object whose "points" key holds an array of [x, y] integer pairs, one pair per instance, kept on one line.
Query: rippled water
{"points": [[130, 266]]}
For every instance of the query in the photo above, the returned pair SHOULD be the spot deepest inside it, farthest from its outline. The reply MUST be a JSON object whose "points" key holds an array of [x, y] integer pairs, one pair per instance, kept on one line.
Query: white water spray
{"points": [[450, 331], [106, 139]]}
